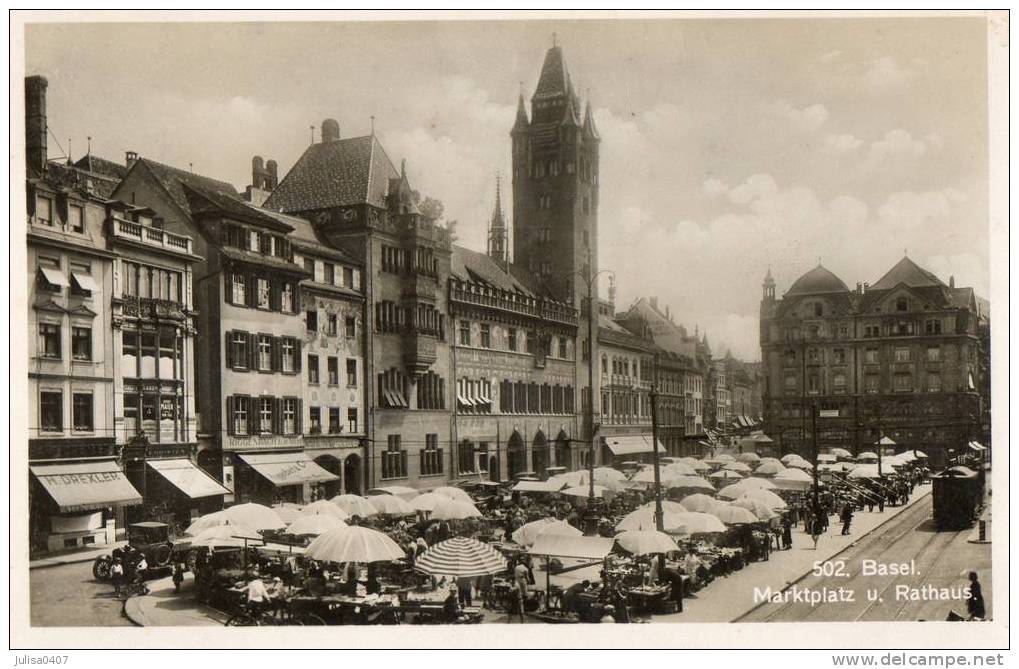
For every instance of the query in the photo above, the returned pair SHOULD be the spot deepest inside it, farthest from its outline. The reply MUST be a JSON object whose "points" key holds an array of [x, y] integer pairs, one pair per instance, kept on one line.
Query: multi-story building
{"points": [[899, 359]]}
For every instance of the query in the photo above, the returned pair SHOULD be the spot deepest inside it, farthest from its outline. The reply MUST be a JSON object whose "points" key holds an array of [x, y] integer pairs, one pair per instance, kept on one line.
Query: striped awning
{"points": [[282, 469], [187, 477], [461, 556], [84, 486]]}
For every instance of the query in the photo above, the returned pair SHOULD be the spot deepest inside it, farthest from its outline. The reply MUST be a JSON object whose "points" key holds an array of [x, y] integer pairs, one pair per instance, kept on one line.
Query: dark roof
{"points": [[173, 181], [203, 200], [555, 78], [908, 272], [336, 174], [816, 281], [241, 255], [475, 267], [98, 165]]}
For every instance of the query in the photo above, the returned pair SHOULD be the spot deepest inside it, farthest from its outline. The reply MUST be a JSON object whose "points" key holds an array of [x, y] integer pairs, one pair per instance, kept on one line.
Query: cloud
{"points": [[841, 144], [755, 188], [714, 187], [897, 144], [805, 118], [887, 72]]}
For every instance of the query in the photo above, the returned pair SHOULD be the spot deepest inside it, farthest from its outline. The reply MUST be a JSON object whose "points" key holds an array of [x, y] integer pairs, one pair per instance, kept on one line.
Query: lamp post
{"points": [[653, 396]]}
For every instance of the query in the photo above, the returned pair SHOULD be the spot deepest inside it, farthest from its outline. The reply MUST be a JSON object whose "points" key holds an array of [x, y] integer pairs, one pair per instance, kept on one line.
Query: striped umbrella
{"points": [[460, 556]]}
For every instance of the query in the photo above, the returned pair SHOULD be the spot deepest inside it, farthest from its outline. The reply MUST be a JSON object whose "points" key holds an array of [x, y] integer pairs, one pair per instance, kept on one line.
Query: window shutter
{"points": [[299, 417], [228, 352], [228, 289], [403, 462], [439, 461], [277, 416], [275, 355], [252, 350], [253, 416], [276, 296], [297, 355], [230, 415]]}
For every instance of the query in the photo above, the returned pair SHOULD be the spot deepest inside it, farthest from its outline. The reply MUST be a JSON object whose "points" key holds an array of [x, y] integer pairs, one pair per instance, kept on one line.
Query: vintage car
{"points": [[150, 538]]}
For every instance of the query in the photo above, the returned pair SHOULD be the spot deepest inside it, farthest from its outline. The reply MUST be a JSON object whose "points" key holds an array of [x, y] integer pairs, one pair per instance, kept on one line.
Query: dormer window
{"points": [[76, 218], [44, 210], [902, 304]]}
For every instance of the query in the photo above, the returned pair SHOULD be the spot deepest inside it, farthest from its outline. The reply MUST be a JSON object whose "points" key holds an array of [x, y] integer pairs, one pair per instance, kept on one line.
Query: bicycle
{"points": [[274, 616]]}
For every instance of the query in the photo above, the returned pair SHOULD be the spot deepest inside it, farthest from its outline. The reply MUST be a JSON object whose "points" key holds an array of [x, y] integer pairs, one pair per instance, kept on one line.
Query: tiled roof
{"points": [[908, 272], [336, 174], [200, 200], [475, 267], [98, 165], [173, 180], [273, 262]]}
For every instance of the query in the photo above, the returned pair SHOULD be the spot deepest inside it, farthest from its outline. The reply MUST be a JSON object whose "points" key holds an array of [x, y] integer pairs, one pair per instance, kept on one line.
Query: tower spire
{"points": [[497, 246]]}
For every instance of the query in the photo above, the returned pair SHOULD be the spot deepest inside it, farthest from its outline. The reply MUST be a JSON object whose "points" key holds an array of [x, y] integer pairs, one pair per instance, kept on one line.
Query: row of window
{"points": [[392, 391], [902, 382], [51, 411], [331, 324], [474, 396], [260, 292], [45, 214], [248, 415], [330, 274], [871, 355], [151, 282], [333, 370], [315, 420], [248, 351], [256, 241], [401, 261], [420, 318], [52, 279], [153, 355], [903, 328], [51, 341], [559, 346], [530, 398], [394, 458]]}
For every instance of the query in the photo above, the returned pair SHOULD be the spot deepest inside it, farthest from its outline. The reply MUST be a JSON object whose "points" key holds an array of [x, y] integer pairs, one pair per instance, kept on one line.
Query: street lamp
{"points": [[653, 396]]}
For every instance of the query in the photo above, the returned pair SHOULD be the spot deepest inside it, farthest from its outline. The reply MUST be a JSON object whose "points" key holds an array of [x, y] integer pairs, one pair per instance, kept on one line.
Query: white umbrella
{"points": [[793, 479], [354, 544], [756, 507], [865, 472], [770, 469], [461, 557], [644, 519], [756, 483], [391, 505], [680, 469], [454, 493], [427, 501], [733, 491], [584, 491], [646, 542], [841, 453], [741, 467], [749, 458], [699, 502], [214, 519], [454, 509], [867, 455], [226, 536], [314, 524], [770, 499], [788, 457], [568, 479], [725, 457], [826, 457], [668, 506], [603, 474], [526, 534], [402, 491], [698, 523], [288, 513], [691, 483], [800, 464], [697, 465], [324, 507], [255, 516], [725, 475], [354, 505], [734, 515]]}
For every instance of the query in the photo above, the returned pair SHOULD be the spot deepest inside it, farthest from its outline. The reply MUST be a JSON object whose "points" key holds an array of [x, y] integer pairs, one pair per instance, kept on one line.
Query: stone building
{"points": [[901, 359]]}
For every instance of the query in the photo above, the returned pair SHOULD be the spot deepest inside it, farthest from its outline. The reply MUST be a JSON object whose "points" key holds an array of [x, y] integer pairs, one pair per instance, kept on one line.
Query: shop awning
{"points": [[187, 477], [82, 486], [85, 281], [636, 443], [587, 548], [538, 486], [54, 277], [287, 468]]}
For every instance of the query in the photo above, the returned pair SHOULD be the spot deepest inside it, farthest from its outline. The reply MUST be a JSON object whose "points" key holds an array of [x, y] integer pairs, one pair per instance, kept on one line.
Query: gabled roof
{"points": [[908, 272], [817, 281], [342, 173], [173, 181], [475, 267], [98, 165], [205, 201]]}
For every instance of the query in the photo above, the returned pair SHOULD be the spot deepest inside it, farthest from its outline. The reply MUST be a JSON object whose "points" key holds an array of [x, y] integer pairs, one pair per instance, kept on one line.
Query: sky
{"points": [[728, 146]]}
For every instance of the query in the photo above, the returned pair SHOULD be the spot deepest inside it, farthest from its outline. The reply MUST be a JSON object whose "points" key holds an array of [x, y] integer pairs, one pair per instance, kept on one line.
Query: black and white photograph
{"points": [[494, 319]]}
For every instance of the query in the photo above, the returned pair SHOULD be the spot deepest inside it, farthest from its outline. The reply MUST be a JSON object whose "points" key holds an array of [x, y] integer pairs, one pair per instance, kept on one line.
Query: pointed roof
{"points": [[816, 281], [521, 123], [345, 172], [908, 272], [174, 180], [589, 126], [555, 78], [497, 219], [768, 279], [570, 114]]}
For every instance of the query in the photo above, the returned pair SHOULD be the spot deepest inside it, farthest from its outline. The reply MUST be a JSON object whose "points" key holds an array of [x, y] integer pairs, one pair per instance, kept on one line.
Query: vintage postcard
{"points": [[462, 322]]}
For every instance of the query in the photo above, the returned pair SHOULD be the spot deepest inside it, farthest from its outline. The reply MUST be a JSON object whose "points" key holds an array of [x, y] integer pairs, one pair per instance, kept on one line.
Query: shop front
{"points": [[178, 491], [272, 478], [74, 504], [620, 448], [344, 460]]}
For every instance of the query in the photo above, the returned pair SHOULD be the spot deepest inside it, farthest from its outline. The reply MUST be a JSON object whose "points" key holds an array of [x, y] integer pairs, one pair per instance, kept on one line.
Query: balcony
{"points": [[421, 285], [419, 351], [148, 308], [150, 236], [511, 302]]}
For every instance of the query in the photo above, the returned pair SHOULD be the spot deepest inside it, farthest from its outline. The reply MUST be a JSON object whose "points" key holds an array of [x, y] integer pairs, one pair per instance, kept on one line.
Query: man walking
{"points": [[847, 518]]}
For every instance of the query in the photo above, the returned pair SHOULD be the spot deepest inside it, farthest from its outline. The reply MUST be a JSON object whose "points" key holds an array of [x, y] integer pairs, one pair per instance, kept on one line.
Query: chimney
{"points": [[130, 157], [951, 281], [330, 131], [35, 124], [668, 317], [270, 167], [866, 286], [654, 303]]}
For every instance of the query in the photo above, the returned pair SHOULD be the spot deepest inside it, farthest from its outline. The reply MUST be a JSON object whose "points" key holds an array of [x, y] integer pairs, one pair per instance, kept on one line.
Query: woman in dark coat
{"points": [[975, 601]]}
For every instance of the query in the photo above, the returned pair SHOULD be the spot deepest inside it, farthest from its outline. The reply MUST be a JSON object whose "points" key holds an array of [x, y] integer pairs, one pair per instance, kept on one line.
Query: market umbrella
{"points": [[725, 475], [402, 491], [526, 534], [454, 509], [756, 507], [354, 544], [607, 474], [865, 472], [740, 467], [749, 458], [867, 455], [584, 491], [568, 479], [826, 457], [255, 516], [288, 513], [734, 491], [225, 536], [324, 507], [885, 441], [770, 459], [800, 464], [354, 505], [697, 465], [314, 524], [427, 501], [668, 506], [679, 469], [734, 515], [769, 469], [841, 453], [644, 519], [645, 542], [788, 457], [793, 479], [725, 457], [391, 505], [755, 483], [694, 483], [699, 502], [453, 493], [919, 454], [698, 523], [214, 519], [769, 498], [460, 557]]}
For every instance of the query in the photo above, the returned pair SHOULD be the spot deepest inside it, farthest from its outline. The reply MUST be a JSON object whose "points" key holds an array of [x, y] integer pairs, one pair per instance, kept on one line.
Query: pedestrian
{"points": [[464, 585], [117, 575], [787, 534], [881, 502], [975, 601], [847, 518]]}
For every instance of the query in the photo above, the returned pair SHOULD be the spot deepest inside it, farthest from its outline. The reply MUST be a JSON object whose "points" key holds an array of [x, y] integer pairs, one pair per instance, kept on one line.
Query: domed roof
{"points": [[817, 280]]}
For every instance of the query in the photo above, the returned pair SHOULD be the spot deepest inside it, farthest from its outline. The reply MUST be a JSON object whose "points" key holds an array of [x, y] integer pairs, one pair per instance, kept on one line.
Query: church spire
{"points": [[497, 242], [589, 128], [521, 123]]}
